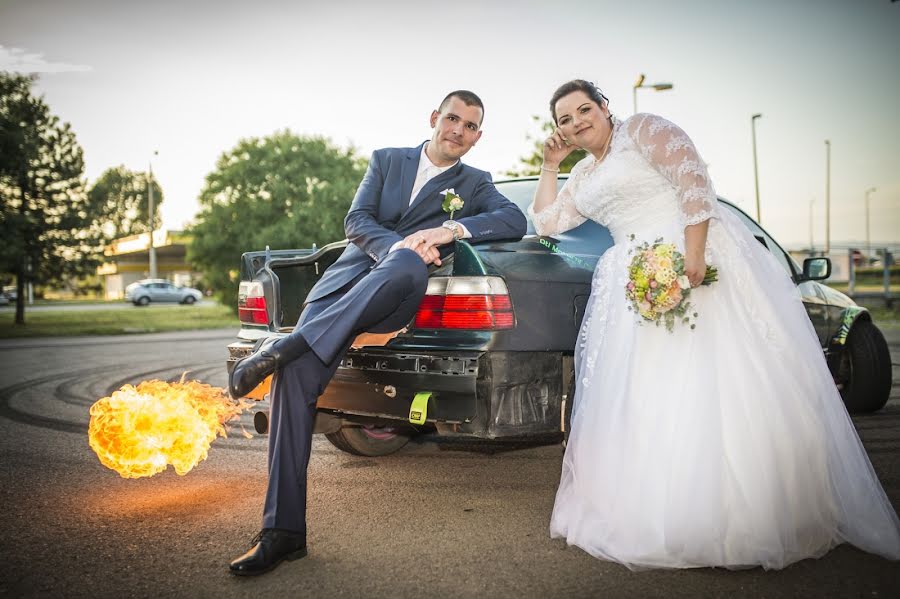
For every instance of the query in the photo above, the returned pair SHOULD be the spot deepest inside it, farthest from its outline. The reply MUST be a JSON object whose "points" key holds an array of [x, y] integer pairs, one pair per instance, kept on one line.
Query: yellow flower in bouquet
{"points": [[665, 276], [657, 287], [640, 279]]}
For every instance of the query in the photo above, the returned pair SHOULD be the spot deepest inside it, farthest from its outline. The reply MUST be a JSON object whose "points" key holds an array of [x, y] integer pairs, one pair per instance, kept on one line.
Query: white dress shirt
{"points": [[426, 172]]}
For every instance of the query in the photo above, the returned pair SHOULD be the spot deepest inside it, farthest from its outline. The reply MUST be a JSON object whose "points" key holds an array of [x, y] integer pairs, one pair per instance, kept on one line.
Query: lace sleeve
{"points": [[561, 215], [672, 153]]}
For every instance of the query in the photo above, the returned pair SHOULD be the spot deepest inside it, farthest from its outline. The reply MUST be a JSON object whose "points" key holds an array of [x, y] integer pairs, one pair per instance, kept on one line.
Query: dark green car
{"points": [[490, 352]]}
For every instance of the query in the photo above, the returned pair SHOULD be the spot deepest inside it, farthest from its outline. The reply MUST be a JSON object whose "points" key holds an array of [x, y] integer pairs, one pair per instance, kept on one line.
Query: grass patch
{"points": [[860, 288], [81, 301], [152, 319], [886, 318]]}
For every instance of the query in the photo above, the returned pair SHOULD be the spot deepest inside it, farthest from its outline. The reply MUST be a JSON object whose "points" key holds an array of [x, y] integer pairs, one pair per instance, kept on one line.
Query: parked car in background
{"points": [[142, 292], [4, 301], [490, 352]]}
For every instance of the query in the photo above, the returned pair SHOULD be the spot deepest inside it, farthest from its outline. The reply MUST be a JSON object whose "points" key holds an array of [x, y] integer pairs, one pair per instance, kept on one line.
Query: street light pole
{"points": [[811, 246], [827, 196], [868, 238], [152, 220], [640, 83], [755, 167]]}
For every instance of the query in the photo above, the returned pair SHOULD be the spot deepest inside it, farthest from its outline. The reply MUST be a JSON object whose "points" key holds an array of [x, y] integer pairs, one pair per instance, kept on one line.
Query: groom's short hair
{"points": [[468, 98]]}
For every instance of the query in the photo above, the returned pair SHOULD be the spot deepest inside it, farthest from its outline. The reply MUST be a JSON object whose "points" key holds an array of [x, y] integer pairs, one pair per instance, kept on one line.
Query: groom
{"points": [[396, 227]]}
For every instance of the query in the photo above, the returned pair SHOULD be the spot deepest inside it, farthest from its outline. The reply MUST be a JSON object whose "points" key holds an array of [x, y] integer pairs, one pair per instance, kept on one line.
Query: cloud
{"points": [[19, 61]]}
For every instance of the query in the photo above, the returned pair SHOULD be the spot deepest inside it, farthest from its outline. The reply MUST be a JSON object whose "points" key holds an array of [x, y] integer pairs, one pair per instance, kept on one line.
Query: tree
{"points": [[118, 203], [44, 223], [283, 191], [530, 164]]}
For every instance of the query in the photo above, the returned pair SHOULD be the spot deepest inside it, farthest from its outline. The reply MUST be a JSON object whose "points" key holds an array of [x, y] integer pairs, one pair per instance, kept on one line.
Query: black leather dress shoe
{"points": [[251, 371], [270, 547]]}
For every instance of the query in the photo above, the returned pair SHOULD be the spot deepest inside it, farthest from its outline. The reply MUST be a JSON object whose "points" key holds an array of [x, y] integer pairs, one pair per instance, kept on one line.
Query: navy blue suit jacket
{"points": [[381, 214]]}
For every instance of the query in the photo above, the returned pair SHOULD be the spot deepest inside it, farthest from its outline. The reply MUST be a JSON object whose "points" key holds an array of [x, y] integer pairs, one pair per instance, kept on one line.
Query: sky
{"points": [[178, 83]]}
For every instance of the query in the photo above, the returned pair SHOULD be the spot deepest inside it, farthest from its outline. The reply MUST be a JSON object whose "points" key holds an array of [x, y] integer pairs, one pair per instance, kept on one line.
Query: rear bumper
{"points": [[382, 385], [488, 394]]}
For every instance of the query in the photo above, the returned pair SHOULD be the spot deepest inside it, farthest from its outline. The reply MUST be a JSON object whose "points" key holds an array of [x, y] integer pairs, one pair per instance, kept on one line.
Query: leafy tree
{"points": [[283, 191], [530, 164], [119, 205], [45, 222]]}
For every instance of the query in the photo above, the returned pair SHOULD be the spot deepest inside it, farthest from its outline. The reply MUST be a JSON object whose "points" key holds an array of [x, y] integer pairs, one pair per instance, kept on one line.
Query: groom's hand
{"points": [[426, 243]]}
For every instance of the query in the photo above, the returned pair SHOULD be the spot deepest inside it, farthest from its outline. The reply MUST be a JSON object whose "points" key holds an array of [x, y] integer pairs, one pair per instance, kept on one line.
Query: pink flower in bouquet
{"points": [[654, 284], [669, 299], [675, 292]]}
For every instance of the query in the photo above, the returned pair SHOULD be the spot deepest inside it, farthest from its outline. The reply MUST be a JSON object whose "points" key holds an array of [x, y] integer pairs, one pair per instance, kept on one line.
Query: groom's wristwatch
{"points": [[454, 228]]}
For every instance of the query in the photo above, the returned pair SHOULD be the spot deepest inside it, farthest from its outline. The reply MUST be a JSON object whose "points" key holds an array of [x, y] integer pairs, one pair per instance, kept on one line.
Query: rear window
{"points": [[521, 193]]}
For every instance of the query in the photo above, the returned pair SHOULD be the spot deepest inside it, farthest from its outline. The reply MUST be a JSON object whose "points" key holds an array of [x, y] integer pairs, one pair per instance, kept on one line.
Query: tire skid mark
{"points": [[127, 380], [107, 342], [63, 393], [10, 413]]}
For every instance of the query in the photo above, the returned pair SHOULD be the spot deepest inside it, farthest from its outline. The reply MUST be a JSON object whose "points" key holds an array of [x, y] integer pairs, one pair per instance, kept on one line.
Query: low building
{"points": [[128, 260]]}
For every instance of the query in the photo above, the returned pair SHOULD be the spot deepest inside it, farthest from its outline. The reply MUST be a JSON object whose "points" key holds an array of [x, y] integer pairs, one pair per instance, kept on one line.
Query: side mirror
{"points": [[816, 269]]}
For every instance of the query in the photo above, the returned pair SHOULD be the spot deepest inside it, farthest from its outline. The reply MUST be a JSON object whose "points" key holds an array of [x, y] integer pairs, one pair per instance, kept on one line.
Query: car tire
{"points": [[865, 369], [189, 300], [142, 301], [367, 440]]}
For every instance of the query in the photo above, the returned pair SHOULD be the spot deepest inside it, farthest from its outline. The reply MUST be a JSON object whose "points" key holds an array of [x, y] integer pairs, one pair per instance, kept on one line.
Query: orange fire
{"points": [[139, 431]]}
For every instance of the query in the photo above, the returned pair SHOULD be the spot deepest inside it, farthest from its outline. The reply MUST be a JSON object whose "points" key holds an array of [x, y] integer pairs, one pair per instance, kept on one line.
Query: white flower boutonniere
{"points": [[452, 202]]}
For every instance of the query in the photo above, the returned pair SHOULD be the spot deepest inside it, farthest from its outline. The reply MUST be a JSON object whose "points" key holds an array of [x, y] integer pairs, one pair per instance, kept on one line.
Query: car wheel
{"points": [[189, 300], [142, 301], [865, 369], [371, 441]]}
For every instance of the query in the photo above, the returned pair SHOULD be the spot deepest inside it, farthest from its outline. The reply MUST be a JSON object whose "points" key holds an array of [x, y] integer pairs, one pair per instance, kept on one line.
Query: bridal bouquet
{"points": [[657, 287]]}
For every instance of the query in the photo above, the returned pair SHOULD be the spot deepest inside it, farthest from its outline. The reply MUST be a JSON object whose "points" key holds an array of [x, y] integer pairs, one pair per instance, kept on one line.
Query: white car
{"points": [[142, 292]]}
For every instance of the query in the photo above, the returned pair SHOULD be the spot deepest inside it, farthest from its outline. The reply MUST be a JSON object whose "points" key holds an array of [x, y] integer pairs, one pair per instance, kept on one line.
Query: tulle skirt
{"points": [[726, 445]]}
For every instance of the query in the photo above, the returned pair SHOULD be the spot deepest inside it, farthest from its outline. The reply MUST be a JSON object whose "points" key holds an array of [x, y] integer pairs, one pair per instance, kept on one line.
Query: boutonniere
{"points": [[452, 202]]}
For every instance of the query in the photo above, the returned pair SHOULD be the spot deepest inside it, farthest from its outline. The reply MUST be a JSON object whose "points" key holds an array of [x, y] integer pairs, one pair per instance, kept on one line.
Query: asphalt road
{"points": [[437, 519]]}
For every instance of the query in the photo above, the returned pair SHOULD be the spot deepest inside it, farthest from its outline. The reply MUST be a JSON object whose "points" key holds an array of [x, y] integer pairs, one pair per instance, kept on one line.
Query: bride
{"points": [[726, 444]]}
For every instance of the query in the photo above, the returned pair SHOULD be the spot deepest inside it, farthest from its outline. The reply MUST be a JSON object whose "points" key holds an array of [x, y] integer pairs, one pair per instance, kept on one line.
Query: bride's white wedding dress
{"points": [[725, 445]]}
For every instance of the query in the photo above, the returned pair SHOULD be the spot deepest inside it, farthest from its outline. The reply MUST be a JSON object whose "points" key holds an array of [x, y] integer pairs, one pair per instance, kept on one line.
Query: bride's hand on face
{"points": [[695, 268], [556, 148]]}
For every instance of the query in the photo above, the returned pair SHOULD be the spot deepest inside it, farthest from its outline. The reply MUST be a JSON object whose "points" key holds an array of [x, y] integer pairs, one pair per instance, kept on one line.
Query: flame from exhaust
{"points": [[138, 431]]}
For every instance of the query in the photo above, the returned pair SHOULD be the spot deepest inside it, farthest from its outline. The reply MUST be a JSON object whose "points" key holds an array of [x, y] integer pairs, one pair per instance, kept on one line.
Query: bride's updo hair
{"points": [[577, 85]]}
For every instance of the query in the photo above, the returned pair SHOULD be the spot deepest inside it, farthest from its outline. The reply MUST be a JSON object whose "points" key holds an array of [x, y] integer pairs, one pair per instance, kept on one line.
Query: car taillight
{"points": [[474, 303], [252, 303]]}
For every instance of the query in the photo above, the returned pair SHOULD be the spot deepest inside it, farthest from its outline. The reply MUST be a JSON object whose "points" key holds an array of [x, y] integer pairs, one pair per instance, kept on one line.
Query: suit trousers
{"points": [[380, 300]]}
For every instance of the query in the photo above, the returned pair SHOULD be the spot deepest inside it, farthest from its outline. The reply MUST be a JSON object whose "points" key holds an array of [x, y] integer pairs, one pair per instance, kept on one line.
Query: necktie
{"points": [[426, 175]]}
